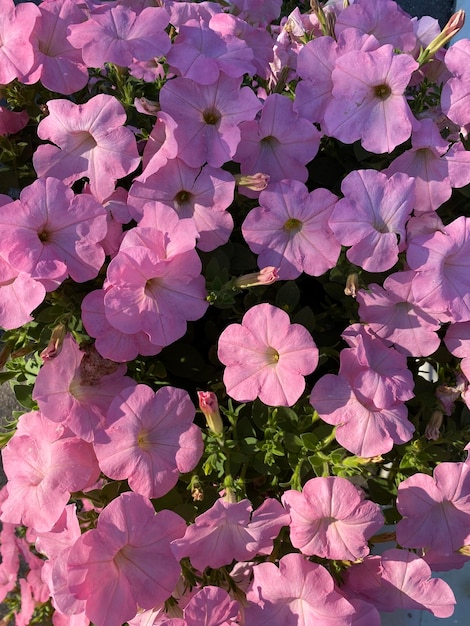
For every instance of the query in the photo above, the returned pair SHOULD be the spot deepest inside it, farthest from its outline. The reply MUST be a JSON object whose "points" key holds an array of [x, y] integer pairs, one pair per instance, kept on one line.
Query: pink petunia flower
{"points": [[149, 439], [58, 65], [399, 579], [435, 509], [117, 34], [76, 389], [207, 117], [371, 217], [126, 561], [298, 593], [279, 143], [368, 99], [440, 260], [267, 357], [19, 296], [16, 51], [91, 141], [290, 230], [51, 233], [331, 519], [229, 531], [44, 463]]}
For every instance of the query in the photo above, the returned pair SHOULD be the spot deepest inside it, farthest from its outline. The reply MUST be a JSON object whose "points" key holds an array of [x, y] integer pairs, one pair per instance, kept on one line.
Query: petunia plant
{"points": [[234, 311]]}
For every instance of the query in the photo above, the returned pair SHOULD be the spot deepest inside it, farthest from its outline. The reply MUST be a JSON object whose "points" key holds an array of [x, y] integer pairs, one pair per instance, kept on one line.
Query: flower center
{"points": [[84, 141], [270, 141], [211, 116], [43, 236], [293, 225], [152, 287], [182, 197], [382, 91], [272, 356], [143, 440]]}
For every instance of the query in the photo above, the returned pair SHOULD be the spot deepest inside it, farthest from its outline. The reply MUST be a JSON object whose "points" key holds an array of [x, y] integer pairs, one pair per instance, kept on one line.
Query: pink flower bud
{"points": [[54, 346], [266, 276], [432, 427], [453, 26], [256, 182], [209, 405]]}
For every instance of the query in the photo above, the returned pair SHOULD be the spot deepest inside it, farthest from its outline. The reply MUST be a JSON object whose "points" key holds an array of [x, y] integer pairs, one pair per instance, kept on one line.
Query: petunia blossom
{"points": [[399, 579], [371, 217], [369, 100], [16, 51], [298, 593], [149, 439], [290, 229], [435, 509], [267, 357], [331, 519], [229, 531], [91, 140], [51, 233], [125, 562], [117, 34], [207, 117], [44, 463]]}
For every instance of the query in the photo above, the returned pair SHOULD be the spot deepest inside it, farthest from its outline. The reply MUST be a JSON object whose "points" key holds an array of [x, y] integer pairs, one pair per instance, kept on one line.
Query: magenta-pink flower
{"points": [[331, 519], [267, 357], [435, 509], [399, 579], [149, 439], [369, 100], [371, 217], [50, 233], [289, 229], [229, 531], [91, 140], [117, 34], [126, 561], [298, 593]]}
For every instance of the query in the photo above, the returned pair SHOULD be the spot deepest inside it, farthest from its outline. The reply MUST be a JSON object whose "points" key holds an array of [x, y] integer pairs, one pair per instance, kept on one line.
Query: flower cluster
{"points": [[235, 309]]}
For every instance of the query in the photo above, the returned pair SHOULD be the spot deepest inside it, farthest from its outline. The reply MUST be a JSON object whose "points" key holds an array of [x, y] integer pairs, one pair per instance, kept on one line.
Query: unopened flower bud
{"points": [[266, 276], [432, 427], [453, 26], [54, 346], [255, 182], [149, 107], [209, 405], [352, 285]]}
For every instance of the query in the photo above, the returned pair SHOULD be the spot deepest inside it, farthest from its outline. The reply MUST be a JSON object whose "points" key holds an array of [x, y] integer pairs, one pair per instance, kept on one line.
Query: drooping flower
{"points": [[229, 531], [91, 141], [331, 519], [267, 357], [149, 439]]}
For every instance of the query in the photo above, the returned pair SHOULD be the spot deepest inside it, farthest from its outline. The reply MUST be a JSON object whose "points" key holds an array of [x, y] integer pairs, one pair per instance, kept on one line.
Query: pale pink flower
{"points": [[331, 519], [229, 531], [267, 357], [16, 50], [91, 141], [149, 439], [126, 561]]}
